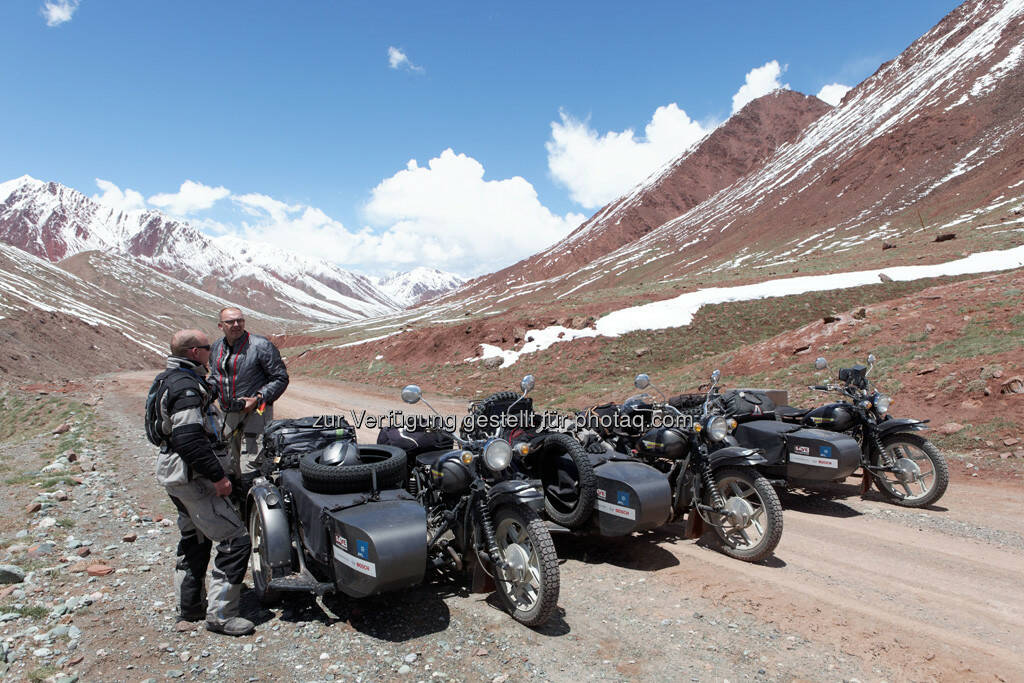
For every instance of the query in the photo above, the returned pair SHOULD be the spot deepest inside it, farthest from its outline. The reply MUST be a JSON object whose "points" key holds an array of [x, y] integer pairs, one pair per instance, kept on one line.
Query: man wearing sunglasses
{"points": [[249, 376], [192, 470]]}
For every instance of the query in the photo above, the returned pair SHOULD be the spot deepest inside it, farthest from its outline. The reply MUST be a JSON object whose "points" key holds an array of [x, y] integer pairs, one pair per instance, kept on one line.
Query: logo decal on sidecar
{"points": [[361, 566], [622, 497], [363, 549], [601, 494], [825, 451], [802, 450], [617, 510], [341, 542]]}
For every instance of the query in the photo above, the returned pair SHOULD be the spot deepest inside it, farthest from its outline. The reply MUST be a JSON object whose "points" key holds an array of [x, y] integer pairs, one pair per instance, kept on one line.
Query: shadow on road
{"points": [[643, 552], [394, 617]]}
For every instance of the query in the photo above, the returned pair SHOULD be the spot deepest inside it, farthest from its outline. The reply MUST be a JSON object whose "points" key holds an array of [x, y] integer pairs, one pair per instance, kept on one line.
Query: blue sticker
{"points": [[825, 451], [363, 549], [623, 497]]}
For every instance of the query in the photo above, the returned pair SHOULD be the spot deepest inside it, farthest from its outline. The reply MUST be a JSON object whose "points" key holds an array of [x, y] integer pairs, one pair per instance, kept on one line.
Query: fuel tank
{"points": [[835, 417]]}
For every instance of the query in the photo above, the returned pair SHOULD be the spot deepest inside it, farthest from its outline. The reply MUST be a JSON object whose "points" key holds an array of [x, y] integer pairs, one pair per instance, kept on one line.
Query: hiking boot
{"points": [[235, 626]]}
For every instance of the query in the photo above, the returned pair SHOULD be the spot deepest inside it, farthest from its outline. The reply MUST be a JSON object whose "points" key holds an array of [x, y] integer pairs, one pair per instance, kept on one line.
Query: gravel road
{"points": [[857, 590]]}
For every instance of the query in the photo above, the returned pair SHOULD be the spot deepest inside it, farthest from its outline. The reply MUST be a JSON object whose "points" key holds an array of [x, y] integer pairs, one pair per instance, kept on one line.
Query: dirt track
{"points": [[857, 589]]}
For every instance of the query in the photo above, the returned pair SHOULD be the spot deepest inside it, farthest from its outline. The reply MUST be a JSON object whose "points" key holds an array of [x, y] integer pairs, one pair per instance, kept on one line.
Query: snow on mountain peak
{"points": [[419, 285]]}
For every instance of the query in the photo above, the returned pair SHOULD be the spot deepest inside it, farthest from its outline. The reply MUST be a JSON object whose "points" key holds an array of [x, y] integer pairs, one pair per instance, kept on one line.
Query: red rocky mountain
{"points": [[931, 144]]}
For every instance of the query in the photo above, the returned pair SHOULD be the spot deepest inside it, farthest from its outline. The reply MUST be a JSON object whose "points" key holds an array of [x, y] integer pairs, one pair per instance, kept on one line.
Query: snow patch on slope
{"points": [[679, 311]]}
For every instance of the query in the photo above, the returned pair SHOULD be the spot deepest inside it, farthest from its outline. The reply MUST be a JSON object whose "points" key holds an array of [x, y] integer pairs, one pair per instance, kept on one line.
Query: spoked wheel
{"points": [[921, 475], [258, 562], [528, 585], [750, 525]]}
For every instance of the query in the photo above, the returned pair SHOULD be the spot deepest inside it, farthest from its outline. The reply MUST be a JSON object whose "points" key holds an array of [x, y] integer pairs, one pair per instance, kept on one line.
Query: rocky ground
{"points": [[858, 589]]}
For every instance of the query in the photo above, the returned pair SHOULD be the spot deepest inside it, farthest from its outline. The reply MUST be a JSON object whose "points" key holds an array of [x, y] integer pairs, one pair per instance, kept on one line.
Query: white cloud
{"points": [[113, 196], [759, 81], [191, 197], [398, 60], [253, 204], [58, 11], [833, 93], [445, 214], [598, 168]]}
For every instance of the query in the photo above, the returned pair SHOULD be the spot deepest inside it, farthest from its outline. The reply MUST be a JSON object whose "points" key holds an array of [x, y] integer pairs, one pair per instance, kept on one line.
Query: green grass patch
{"points": [[32, 612]]}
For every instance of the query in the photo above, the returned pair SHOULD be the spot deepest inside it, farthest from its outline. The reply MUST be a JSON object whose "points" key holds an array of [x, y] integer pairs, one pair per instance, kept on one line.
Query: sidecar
{"points": [[631, 495], [337, 522], [798, 455]]}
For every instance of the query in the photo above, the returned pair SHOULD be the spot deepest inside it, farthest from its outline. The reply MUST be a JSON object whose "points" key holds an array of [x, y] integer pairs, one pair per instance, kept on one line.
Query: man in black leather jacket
{"points": [[194, 476], [249, 376]]}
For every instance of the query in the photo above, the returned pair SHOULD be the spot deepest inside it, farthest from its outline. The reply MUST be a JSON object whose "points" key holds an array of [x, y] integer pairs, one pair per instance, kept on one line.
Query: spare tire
{"points": [[568, 480], [387, 463]]}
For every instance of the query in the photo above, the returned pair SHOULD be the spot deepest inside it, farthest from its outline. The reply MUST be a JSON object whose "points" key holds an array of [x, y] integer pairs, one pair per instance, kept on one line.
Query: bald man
{"points": [[194, 476]]}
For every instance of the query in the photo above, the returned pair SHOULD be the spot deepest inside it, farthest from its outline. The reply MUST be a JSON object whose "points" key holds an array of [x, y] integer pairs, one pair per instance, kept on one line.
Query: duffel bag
{"points": [[285, 440], [415, 442]]}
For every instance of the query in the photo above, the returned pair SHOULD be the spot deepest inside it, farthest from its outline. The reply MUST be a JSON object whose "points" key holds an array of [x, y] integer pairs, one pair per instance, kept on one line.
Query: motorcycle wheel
{"points": [[261, 573], [569, 482], [752, 499], [928, 471], [529, 587]]}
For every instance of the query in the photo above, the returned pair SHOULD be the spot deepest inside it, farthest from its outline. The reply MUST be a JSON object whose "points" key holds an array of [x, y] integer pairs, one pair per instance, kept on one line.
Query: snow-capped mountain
{"points": [[419, 285], [54, 222], [931, 144]]}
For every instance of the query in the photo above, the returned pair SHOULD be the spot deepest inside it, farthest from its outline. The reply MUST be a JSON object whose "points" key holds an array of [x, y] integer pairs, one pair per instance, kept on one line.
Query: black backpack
{"points": [[154, 419]]}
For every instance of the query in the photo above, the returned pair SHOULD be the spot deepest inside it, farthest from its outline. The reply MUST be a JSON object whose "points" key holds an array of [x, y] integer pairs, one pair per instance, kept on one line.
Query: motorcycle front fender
{"points": [[266, 501], [516, 492], [736, 455], [900, 424]]}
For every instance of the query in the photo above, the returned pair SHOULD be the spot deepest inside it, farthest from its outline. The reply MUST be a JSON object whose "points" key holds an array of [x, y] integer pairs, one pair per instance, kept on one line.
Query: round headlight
{"points": [[716, 428], [882, 403], [497, 455]]}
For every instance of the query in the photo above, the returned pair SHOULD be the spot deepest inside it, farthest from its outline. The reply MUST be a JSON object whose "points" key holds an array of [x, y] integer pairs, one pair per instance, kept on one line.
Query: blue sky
{"points": [[296, 123]]}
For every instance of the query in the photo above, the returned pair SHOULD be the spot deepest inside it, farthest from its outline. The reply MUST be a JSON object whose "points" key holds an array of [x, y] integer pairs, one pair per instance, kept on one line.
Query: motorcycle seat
{"points": [[790, 414]]}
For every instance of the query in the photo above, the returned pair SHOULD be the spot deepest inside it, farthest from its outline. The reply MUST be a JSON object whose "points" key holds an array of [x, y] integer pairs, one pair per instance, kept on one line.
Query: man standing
{"points": [[249, 375], [193, 474]]}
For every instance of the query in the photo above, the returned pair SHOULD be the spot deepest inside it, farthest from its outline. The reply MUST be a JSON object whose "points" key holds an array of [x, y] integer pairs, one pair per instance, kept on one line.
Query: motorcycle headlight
{"points": [[497, 455], [716, 428], [882, 403]]}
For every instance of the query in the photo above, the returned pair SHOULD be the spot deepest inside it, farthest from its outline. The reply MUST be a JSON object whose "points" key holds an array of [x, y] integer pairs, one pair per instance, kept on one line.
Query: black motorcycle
{"points": [[483, 518], [713, 484], [601, 491], [905, 467]]}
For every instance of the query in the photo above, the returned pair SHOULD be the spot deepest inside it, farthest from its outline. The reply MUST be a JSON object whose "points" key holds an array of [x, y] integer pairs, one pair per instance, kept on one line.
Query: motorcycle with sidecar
{"points": [[601, 491], [715, 484], [328, 515]]}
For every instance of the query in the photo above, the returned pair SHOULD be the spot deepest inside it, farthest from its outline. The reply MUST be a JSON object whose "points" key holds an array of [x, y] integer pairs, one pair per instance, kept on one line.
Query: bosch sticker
{"points": [[363, 549], [360, 565], [617, 510], [814, 461]]}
